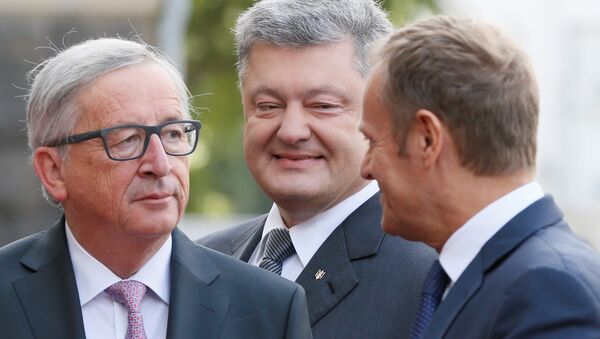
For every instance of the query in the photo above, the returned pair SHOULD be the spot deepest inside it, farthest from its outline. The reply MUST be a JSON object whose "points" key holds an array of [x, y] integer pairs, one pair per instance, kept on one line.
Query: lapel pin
{"points": [[319, 275]]}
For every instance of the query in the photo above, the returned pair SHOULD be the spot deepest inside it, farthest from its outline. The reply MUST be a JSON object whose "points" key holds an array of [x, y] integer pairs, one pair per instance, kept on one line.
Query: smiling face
{"points": [[301, 141], [141, 198], [400, 175]]}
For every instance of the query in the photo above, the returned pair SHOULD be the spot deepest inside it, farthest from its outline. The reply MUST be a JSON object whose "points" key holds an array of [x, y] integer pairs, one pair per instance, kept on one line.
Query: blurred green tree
{"points": [[220, 181]]}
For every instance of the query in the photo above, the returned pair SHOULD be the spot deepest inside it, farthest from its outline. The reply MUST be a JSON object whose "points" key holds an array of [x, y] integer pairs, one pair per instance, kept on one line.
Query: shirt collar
{"points": [[464, 244], [308, 236], [92, 277]]}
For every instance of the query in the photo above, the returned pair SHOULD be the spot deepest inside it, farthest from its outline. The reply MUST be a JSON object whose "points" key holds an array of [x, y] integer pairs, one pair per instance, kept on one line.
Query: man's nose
{"points": [[155, 160], [295, 125]]}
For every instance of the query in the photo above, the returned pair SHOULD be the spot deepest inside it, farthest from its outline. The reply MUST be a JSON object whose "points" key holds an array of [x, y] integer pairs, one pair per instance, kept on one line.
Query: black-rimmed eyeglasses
{"points": [[128, 142]]}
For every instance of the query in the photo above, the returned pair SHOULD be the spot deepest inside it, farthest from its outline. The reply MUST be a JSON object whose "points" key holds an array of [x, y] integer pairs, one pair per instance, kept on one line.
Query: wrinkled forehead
{"points": [[137, 94]]}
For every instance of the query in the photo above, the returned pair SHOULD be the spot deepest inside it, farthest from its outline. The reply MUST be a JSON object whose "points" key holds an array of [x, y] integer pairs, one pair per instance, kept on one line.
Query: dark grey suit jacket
{"points": [[533, 279], [372, 280], [212, 295]]}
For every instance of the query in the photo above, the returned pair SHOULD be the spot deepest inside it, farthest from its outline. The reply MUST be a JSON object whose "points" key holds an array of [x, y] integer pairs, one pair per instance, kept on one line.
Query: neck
{"points": [[469, 195], [123, 255]]}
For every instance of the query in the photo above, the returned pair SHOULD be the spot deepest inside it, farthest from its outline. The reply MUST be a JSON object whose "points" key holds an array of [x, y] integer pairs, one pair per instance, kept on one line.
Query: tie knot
{"points": [[431, 296], [279, 244], [128, 293], [277, 248], [436, 281]]}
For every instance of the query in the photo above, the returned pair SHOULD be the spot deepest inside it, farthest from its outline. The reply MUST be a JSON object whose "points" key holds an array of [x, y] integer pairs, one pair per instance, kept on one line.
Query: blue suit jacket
{"points": [[370, 288], [212, 295], [534, 279]]}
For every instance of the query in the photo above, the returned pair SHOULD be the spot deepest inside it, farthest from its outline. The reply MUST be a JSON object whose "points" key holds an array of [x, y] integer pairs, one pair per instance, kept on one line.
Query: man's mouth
{"points": [[297, 160], [297, 156], [157, 196]]}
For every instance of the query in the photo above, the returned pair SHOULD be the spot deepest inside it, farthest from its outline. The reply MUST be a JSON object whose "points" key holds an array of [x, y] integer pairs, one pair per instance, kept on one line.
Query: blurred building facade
{"points": [[30, 31]]}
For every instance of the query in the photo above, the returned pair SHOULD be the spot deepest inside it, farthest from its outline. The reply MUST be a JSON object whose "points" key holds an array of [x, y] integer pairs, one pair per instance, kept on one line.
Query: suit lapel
{"points": [[196, 306], [338, 280], [247, 238], [458, 296], [354, 239], [49, 294], [245, 249], [540, 214]]}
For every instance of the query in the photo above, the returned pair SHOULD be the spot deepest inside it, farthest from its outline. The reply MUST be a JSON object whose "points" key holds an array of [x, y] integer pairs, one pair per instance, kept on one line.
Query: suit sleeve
{"points": [[549, 303], [298, 324]]}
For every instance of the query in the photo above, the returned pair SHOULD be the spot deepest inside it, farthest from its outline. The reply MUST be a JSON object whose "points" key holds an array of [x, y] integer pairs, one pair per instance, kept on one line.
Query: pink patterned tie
{"points": [[130, 294]]}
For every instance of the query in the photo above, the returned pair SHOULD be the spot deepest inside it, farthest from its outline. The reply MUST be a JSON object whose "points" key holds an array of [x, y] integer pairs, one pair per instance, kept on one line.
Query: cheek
{"points": [[181, 169], [257, 133]]}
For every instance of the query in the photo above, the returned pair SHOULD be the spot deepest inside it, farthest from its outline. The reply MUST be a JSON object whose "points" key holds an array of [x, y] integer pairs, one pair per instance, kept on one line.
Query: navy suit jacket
{"points": [[371, 282], [534, 279], [212, 295]]}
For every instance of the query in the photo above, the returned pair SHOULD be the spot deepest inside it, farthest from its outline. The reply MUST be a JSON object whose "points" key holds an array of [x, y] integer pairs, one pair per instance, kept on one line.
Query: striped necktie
{"points": [[278, 247]]}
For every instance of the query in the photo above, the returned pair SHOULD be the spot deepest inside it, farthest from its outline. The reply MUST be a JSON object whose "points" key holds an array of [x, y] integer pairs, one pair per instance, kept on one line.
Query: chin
{"points": [[151, 225]]}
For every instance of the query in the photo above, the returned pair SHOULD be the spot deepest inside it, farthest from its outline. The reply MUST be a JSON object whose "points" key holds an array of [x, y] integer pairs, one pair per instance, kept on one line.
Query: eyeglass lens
{"points": [[128, 142]]}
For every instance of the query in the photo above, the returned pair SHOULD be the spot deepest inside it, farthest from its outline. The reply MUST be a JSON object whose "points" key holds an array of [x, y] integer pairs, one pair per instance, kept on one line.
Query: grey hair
{"points": [[303, 23], [56, 82], [51, 114]]}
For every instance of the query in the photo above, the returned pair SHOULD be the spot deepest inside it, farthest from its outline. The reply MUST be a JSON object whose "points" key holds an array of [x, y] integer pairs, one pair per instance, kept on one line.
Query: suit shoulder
{"points": [[18, 248], [216, 239], [11, 256], [244, 275], [558, 248]]}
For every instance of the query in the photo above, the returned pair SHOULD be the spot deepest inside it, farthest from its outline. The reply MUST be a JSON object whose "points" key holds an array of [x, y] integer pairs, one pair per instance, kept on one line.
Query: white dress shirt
{"points": [[462, 246], [104, 318], [308, 236]]}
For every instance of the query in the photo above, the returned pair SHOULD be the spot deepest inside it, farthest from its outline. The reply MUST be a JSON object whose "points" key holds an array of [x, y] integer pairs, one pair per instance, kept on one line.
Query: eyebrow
{"points": [[254, 92], [325, 89]]}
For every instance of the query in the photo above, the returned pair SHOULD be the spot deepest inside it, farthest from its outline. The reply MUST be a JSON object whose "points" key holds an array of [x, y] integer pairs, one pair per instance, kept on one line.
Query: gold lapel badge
{"points": [[319, 275]]}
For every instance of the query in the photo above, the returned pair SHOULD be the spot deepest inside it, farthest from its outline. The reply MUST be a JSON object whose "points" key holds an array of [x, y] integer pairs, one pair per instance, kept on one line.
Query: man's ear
{"points": [[47, 166], [431, 135]]}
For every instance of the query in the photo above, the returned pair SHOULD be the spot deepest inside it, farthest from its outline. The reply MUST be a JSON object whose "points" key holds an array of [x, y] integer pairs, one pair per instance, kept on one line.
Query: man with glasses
{"points": [[109, 126]]}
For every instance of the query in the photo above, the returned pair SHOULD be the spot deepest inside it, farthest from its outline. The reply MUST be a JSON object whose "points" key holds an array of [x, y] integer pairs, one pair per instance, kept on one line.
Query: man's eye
{"points": [[266, 107], [325, 106]]}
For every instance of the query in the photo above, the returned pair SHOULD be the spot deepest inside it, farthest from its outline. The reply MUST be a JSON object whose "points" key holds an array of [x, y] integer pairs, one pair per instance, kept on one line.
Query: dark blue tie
{"points": [[433, 289]]}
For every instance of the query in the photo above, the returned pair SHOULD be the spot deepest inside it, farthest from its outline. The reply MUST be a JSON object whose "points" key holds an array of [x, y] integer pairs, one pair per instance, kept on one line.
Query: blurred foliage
{"points": [[220, 181]]}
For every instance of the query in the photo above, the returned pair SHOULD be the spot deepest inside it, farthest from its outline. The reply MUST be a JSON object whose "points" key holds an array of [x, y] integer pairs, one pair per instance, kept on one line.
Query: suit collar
{"points": [[197, 305], [540, 214], [49, 294], [51, 302], [359, 236], [247, 238], [354, 239], [363, 229]]}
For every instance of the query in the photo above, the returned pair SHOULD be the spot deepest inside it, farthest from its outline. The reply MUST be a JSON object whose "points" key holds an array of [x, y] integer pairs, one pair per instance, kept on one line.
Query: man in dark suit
{"points": [[451, 114], [302, 68], [109, 125]]}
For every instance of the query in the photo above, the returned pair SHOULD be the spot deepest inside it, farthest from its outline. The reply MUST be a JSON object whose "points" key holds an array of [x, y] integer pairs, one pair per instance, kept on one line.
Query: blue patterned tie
{"points": [[433, 289], [278, 247]]}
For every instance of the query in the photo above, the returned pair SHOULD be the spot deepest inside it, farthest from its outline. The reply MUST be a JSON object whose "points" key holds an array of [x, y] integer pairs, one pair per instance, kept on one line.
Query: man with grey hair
{"points": [[451, 113], [302, 68], [110, 130]]}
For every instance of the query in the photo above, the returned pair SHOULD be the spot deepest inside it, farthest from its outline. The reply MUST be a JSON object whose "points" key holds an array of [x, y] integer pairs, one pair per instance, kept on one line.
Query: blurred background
{"points": [[562, 38]]}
